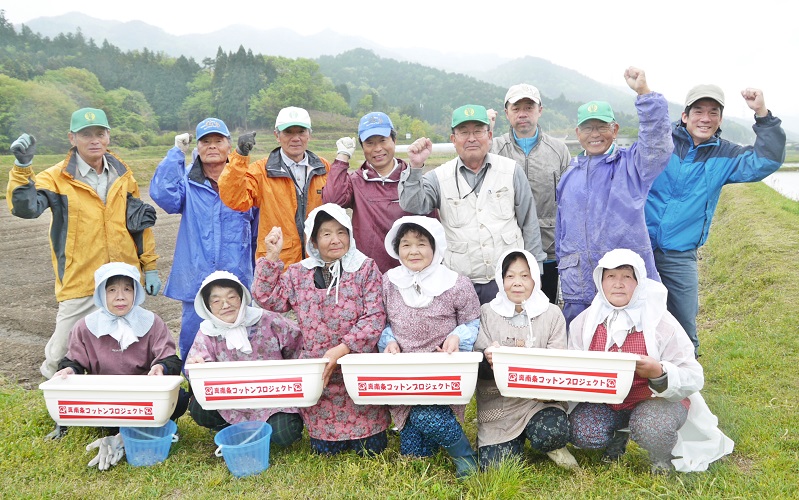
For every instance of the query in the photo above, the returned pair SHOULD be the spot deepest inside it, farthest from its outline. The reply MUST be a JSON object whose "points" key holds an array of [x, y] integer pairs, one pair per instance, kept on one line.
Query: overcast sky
{"points": [[679, 43]]}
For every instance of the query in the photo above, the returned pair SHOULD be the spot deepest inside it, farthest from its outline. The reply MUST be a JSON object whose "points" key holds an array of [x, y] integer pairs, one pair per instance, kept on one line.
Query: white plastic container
{"points": [[410, 378], [111, 400], [563, 375], [277, 383]]}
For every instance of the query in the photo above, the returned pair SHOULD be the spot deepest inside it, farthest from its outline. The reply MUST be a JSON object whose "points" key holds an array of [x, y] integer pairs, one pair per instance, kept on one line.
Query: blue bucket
{"points": [[245, 447], [148, 445]]}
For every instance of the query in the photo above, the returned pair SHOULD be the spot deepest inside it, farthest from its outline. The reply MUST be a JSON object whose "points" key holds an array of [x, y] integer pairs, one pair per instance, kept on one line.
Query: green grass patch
{"points": [[747, 326]]}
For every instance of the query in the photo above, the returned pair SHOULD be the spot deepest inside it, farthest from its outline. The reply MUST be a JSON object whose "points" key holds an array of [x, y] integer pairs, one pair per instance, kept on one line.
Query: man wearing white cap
{"points": [[286, 185], [543, 159], [212, 236], [682, 200]]}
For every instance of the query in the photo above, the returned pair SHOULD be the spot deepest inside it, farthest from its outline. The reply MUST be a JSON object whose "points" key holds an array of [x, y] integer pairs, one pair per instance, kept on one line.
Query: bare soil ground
{"points": [[27, 298]]}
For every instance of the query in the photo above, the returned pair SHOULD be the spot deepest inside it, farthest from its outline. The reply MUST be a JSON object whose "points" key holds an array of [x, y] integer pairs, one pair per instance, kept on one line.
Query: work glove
{"points": [[24, 148], [246, 143], [110, 451], [183, 142], [152, 283], [346, 145]]}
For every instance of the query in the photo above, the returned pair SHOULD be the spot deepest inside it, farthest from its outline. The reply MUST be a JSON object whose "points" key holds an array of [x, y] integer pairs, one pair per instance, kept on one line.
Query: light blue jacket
{"points": [[683, 198], [211, 237]]}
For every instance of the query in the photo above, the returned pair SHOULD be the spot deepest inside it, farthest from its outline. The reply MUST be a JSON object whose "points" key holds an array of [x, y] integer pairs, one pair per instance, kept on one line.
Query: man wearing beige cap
{"points": [[484, 200], [87, 194], [681, 203], [543, 159], [285, 186]]}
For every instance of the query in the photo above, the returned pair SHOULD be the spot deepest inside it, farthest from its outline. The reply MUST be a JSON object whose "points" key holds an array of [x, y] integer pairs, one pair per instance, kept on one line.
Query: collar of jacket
{"points": [[370, 173], [276, 168], [196, 173], [115, 162], [680, 134]]}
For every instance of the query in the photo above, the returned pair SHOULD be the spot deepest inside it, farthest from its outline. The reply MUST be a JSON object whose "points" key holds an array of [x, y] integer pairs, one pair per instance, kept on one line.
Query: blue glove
{"points": [[24, 148], [152, 283]]}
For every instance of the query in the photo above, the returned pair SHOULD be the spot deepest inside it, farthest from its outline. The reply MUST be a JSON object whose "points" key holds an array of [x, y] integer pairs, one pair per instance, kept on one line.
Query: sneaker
{"points": [[563, 458], [617, 446]]}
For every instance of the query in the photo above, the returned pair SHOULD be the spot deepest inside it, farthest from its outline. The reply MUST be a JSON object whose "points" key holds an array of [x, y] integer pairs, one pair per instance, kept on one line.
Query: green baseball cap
{"points": [[88, 117], [470, 113], [595, 110]]}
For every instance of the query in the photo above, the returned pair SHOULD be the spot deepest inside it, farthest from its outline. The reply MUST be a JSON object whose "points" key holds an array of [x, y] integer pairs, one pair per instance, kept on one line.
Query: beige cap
{"points": [[705, 91], [521, 91]]}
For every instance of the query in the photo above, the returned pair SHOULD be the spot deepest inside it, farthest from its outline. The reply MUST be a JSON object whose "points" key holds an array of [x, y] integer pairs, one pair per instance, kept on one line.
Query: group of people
{"points": [[465, 256]]}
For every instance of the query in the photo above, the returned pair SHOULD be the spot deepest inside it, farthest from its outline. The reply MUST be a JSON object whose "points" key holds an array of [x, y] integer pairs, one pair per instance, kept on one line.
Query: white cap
{"points": [[290, 117], [521, 91]]}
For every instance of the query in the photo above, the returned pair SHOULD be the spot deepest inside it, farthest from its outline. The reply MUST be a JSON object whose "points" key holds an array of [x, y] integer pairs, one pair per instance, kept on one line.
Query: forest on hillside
{"points": [[147, 94]]}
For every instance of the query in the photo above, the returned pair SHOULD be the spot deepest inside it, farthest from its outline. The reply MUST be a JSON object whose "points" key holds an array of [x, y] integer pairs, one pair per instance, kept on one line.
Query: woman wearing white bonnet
{"points": [[232, 330], [336, 294], [429, 308], [664, 410], [519, 316]]}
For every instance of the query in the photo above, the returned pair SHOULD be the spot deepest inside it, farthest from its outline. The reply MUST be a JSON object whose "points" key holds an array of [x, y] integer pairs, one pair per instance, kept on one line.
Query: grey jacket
{"points": [[548, 159]]}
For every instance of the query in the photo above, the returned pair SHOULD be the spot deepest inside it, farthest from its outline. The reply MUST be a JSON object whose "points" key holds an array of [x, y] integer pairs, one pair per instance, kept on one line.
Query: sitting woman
{"points": [[520, 316], [335, 293], [232, 330], [629, 315], [121, 338], [429, 308]]}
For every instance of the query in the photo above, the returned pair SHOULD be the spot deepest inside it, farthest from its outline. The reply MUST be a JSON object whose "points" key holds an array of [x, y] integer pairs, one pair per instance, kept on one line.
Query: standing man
{"points": [[683, 199], [484, 200], [371, 191], [286, 185], [212, 236], [602, 194], [543, 159], [87, 194]]}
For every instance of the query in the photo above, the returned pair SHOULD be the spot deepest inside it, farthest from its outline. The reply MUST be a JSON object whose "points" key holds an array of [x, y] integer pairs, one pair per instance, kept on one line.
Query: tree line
{"points": [[43, 80]]}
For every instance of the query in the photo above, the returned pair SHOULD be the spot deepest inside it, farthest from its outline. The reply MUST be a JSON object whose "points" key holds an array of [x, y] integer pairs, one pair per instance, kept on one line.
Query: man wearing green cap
{"points": [[484, 200], [601, 195], [87, 193]]}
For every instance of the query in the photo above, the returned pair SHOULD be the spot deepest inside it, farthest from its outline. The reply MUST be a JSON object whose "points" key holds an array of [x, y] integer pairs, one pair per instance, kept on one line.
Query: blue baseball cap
{"points": [[212, 126], [374, 123]]}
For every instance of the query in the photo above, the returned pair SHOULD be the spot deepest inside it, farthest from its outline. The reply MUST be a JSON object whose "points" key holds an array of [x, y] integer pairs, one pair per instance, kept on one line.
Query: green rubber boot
{"points": [[463, 456]]}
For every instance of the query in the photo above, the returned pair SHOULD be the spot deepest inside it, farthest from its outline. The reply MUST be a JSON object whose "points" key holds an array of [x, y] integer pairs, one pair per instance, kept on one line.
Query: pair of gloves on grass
{"points": [[110, 450]]}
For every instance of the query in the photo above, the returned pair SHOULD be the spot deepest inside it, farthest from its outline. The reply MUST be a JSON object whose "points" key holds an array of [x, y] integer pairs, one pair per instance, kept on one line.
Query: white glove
{"points": [[183, 142], [110, 451], [346, 145]]}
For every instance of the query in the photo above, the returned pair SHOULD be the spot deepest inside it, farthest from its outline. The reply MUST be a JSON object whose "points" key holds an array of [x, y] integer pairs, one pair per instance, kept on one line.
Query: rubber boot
{"points": [[617, 446], [57, 433], [463, 456]]}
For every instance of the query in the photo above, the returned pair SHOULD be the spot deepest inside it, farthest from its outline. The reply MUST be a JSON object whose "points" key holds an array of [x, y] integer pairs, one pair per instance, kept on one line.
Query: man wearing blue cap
{"points": [[212, 236], [91, 184], [370, 191], [484, 200]]}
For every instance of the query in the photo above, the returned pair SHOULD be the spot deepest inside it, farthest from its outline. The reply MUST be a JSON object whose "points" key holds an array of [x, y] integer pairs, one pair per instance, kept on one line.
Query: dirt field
{"points": [[27, 299]]}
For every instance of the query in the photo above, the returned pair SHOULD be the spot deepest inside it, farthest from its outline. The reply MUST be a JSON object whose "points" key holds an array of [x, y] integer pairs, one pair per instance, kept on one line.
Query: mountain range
{"points": [[553, 80]]}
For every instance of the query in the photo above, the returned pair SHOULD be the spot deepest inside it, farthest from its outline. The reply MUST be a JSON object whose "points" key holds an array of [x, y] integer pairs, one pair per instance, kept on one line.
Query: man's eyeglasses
{"points": [[602, 129], [478, 134]]}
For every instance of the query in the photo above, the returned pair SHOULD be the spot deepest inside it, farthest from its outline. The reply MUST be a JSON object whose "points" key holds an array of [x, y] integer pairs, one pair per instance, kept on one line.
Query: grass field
{"points": [[749, 309]]}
